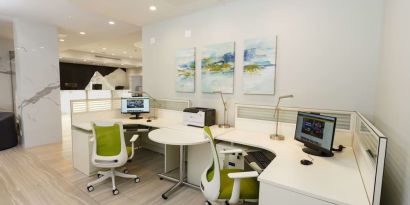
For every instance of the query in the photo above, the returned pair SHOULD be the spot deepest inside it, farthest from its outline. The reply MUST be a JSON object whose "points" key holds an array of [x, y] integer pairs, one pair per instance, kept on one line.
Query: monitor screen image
{"points": [[135, 105], [316, 132]]}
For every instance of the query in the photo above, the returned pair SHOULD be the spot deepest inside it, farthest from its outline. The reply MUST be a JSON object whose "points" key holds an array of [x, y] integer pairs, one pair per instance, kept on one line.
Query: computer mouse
{"points": [[306, 162]]}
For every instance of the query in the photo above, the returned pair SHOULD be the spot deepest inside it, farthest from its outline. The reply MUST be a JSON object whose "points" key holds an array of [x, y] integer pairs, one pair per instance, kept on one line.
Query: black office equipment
{"points": [[306, 162], [97, 87], [135, 106], [316, 132], [199, 116], [260, 158], [8, 136]]}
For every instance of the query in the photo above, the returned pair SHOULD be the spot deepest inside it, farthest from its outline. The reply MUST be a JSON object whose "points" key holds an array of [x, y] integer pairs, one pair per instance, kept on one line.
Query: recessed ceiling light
{"points": [[61, 40], [42, 47], [82, 33], [113, 54], [125, 52], [104, 48], [92, 51], [85, 60], [153, 8], [111, 22]]}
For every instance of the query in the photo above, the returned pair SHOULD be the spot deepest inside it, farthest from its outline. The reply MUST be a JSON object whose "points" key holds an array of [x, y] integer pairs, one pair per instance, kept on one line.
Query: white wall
{"points": [[6, 101], [392, 114], [327, 50], [38, 82]]}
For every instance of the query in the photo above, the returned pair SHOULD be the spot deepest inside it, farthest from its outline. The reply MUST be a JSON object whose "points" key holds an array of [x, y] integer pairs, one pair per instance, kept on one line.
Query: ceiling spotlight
{"points": [[61, 40], [124, 52], [82, 33], [104, 48], [153, 8], [113, 54], [92, 51], [85, 60], [111, 22]]}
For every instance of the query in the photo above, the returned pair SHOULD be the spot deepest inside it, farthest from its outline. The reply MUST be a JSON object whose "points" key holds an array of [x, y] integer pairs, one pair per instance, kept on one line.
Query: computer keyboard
{"points": [[260, 158]]}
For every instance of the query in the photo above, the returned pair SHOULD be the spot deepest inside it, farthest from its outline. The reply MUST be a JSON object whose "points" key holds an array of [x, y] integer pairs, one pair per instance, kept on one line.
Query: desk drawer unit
{"points": [[269, 194]]}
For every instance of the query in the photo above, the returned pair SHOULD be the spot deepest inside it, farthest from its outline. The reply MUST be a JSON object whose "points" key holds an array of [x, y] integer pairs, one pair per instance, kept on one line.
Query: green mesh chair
{"points": [[110, 151], [229, 185]]}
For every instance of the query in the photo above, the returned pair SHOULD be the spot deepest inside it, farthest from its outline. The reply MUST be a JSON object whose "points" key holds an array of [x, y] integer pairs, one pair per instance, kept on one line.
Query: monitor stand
{"points": [[316, 152], [137, 116]]}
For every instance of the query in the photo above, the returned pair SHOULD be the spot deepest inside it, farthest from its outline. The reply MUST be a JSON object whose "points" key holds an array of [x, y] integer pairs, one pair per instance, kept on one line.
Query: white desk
{"points": [[334, 180]]}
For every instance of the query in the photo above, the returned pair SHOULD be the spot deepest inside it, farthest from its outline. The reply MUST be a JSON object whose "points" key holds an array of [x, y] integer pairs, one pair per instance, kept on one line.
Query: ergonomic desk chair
{"points": [[229, 185], [110, 151]]}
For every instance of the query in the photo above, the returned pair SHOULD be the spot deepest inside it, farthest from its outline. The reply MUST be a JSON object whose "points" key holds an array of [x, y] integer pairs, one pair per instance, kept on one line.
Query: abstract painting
{"points": [[217, 68], [259, 66], [185, 62]]}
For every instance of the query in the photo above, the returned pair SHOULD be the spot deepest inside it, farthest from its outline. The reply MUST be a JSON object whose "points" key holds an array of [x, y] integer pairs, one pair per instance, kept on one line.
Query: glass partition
{"points": [[369, 145]]}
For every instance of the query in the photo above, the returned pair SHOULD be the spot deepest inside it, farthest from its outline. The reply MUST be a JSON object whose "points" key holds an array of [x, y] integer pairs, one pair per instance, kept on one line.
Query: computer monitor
{"points": [[135, 105], [316, 132]]}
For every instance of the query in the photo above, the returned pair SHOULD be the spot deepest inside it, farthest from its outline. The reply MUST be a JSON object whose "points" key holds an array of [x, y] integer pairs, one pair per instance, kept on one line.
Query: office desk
{"points": [[334, 180]]}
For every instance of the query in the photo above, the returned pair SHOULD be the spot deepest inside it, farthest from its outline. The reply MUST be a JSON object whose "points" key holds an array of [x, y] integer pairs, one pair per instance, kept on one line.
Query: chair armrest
{"points": [[134, 138], [231, 151], [242, 175], [236, 188]]}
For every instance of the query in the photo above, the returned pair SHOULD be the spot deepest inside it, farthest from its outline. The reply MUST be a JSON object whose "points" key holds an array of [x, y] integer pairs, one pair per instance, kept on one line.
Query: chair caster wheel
{"points": [[137, 180], [125, 171], [208, 203], [161, 178], [90, 188], [115, 192], [99, 175], [164, 197]]}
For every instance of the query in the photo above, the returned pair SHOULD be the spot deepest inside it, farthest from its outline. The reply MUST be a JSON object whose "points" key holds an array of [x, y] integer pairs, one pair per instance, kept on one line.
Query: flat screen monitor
{"points": [[135, 105], [316, 132]]}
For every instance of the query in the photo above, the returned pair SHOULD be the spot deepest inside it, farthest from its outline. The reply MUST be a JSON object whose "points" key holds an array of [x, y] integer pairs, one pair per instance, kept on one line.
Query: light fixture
{"points": [[92, 51], [82, 33], [113, 54], [85, 60], [225, 123], [125, 52], [42, 47], [276, 136], [61, 40], [104, 49], [152, 8], [111, 22]]}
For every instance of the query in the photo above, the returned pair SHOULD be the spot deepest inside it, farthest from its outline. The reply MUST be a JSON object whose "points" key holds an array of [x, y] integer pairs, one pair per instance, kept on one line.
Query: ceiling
{"points": [[123, 39]]}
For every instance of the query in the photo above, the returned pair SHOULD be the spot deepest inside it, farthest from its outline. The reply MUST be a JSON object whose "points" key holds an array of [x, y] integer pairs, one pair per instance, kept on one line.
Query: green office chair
{"points": [[229, 185], [110, 151]]}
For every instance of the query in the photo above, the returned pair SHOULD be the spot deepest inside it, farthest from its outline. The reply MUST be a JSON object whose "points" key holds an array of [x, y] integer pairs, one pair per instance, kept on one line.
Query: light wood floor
{"points": [[44, 175]]}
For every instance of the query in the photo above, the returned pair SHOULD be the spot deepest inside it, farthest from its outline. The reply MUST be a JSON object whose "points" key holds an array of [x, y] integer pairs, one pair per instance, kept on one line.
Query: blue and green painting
{"points": [[217, 68], [259, 66], [185, 79]]}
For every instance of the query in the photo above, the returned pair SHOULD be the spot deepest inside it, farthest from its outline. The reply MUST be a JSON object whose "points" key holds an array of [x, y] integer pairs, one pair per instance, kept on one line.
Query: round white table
{"points": [[182, 139]]}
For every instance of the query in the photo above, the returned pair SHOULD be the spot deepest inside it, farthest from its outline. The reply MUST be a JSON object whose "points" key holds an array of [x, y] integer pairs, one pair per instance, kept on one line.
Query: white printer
{"points": [[199, 117]]}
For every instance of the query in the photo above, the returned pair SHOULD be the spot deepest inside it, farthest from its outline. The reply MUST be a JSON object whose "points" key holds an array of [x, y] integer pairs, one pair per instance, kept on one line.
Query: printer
{"points": [[199, 117]]}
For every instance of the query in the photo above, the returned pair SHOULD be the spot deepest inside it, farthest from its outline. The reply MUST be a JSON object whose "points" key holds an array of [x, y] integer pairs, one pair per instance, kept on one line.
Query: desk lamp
{"points": [[140, 93], [276, 136], [225, 123]]}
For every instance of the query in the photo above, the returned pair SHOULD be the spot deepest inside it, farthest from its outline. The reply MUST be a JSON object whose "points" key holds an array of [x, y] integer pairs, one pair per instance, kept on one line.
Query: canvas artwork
{"points": [[259, 66], [185, 62], [217, 68]]}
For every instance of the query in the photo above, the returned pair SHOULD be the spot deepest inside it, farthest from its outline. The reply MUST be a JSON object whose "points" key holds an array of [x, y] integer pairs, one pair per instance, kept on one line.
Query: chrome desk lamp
{"points": [[277, 136], [225, 123]]}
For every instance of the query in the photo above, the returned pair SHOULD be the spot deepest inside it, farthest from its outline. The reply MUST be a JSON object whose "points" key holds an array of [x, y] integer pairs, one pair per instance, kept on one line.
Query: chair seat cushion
{"points": [[249, 186], [129, 151]]}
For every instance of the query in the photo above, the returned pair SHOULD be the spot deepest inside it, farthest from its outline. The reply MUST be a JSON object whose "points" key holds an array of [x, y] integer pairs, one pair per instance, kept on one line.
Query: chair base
{"points": [[112, 173]]}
